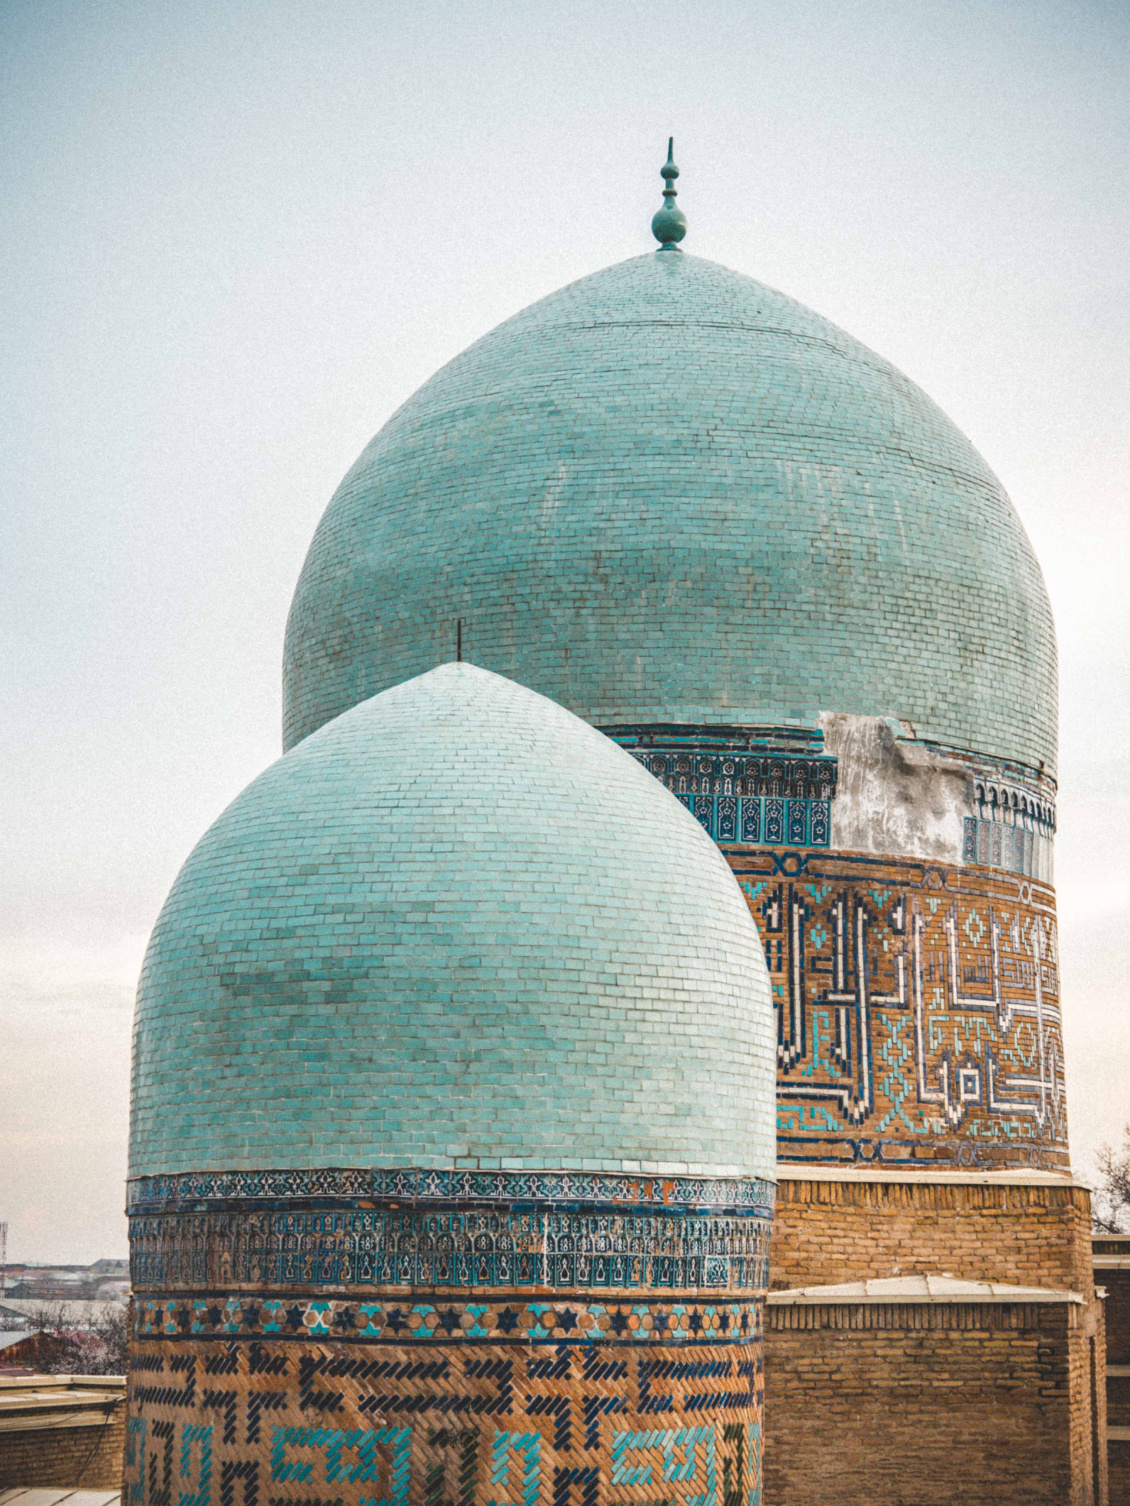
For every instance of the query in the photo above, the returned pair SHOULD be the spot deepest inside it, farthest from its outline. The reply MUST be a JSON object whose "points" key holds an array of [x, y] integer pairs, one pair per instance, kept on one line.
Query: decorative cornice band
{"points": [[366, 1186], [243, 1315]]}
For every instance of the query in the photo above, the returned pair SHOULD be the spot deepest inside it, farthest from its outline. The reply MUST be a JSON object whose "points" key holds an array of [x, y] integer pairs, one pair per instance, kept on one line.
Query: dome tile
{"points": [[455, 925], [667, 493]]}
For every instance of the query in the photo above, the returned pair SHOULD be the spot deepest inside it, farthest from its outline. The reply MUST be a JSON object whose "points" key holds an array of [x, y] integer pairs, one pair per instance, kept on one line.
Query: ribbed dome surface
{"points": [[456, 923], [667, 493]]}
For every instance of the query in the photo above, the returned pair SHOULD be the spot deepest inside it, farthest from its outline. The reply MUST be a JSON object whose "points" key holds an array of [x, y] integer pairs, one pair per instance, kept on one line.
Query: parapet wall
{"points": [[856, 1226], [925, 1405]]}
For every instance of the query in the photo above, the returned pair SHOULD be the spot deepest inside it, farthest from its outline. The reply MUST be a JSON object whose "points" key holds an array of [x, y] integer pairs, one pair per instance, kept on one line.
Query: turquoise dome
{"points": [[669, 494], [456, 927]]}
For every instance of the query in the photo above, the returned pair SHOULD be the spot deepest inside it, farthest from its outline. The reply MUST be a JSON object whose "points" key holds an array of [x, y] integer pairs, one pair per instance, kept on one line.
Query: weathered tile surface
{"points": [[667, 493], [457, 927]]}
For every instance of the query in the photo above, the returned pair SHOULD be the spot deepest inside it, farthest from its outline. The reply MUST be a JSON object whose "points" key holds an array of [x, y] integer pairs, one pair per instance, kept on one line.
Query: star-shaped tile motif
{"points": [[294, 1317], [395, 1320], [567, 1320], [724, 1321], [184, 1319], [449, 1321], [618, 1322], [215, 1316], [507, 1320], [694, 1319], [344, 1319], [251, 1314]]}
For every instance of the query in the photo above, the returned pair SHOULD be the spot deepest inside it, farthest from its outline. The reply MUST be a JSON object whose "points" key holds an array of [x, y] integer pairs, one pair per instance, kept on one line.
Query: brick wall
{"points": [[1118, 1401], [1088, 1398], [86, 1456], [829, 1231], [1117, 1284], [917, 1405]]}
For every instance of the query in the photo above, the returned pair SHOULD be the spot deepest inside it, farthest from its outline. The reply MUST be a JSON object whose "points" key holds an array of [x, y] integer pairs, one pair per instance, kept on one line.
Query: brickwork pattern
{"points": [[826, 1231], [928, 1406], [667, 493], [78, 1457], [543, 1425], [458, 928], [918, 1010], [509, 1388], [1118, 1468], [1116, 1283]]}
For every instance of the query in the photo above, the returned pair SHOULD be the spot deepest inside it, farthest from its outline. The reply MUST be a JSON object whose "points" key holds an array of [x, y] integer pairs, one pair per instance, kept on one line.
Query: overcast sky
{"points": [[234, 237]]}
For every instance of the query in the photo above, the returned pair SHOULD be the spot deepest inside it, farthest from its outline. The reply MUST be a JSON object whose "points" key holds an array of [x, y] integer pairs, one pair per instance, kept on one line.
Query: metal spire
{"points": [[670, 223]]}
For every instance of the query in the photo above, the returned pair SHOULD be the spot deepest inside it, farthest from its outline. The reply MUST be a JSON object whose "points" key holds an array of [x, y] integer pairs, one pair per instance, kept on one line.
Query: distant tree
{"points": [[1110, 1208], [98, 1347]]}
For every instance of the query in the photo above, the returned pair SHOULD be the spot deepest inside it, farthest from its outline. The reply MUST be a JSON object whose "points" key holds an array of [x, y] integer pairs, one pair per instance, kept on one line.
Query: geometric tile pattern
{"points": [[737, 795], [296, 1352], [398, 1320], [269, 1423], [1013, 827]]}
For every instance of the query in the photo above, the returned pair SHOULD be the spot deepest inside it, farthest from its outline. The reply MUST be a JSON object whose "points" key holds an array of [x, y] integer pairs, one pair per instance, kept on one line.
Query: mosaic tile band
{"points": [[273, 1423], [918, 1010], [458, 1248], [271, 1364], [244, 1315], [427, 1185]]}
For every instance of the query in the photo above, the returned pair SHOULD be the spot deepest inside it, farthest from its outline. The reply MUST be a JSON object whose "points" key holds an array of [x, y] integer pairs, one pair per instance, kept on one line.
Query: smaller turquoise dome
{"points": [[455, 926]]}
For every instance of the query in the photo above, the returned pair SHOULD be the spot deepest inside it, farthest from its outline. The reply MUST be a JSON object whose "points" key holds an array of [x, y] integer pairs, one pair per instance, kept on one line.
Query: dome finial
{"points": [[670, 223]]}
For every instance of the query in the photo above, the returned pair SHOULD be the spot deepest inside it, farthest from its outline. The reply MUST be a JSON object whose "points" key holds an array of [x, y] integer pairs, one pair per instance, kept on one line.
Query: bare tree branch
{"points": [[1110, 1206]]}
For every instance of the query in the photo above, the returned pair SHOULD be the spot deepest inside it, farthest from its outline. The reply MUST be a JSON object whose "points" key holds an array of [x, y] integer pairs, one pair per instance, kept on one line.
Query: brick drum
{"points": [[918, 1011], [626, 1360]]}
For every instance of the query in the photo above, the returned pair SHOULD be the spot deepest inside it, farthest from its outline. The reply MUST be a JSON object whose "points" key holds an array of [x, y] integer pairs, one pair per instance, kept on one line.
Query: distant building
{"points": [[105, 1280]]}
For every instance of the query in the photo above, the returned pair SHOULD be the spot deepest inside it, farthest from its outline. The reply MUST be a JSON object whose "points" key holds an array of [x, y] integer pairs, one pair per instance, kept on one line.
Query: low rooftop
{"points": [[918, 1289], [56, 1495], [33, 1402]]}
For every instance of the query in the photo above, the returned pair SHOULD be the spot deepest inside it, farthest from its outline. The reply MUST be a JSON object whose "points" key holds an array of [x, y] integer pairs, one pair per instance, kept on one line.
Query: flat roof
{"points": [[952, 1176], [34, 1402]]}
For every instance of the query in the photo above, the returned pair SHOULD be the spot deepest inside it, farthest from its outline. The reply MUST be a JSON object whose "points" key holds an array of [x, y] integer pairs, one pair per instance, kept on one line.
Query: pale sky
{"points": [[234, 237]]}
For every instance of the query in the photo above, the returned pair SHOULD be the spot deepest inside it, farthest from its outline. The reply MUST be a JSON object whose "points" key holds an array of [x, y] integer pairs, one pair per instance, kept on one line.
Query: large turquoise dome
{"points": [[669, 494], [456, 927]]}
